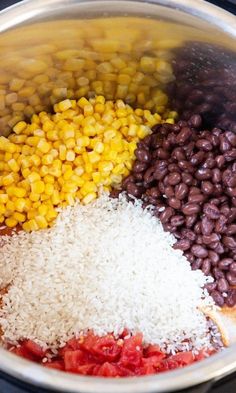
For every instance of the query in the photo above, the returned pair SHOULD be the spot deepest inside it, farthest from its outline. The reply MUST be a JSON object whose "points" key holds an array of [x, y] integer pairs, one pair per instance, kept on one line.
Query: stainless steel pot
{"points": [[29, 33]]}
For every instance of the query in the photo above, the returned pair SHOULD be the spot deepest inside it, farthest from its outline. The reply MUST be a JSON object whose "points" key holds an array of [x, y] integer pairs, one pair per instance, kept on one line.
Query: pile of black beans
{"points": [[189, 175], [205, 84]]}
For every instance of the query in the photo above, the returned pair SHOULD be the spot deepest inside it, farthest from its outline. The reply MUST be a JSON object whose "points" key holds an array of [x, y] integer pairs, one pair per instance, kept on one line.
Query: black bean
{"points": [[204, 144], [214, 257], [231, 298], [161, 153], [206, 266], [218, 273], [218, 298], [231, 278], [197, 158], [190, 208], [166, 215], [195, 120], [199, 251], [190, 220], [220, 161], [211, 211], [139, 167], [177, 220], [196, 198], [175, 203], [231, 136], [196, 264], [231, 229], [207, 226], [220, 225], [183, 136], [222, 285], [203, 174], [232, 268], [216, 175], [225, 263], [183, 244], [211, 286], [134, 190], [174, 178], [187, 178], [143, 155], [169, 191], [207, 187], [229, 242], [149, 174], [208, 239], [229, 178], [181, 190]]}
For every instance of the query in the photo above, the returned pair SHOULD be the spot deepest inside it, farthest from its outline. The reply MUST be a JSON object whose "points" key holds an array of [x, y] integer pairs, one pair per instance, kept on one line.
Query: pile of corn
{"points": [[68, 155]]}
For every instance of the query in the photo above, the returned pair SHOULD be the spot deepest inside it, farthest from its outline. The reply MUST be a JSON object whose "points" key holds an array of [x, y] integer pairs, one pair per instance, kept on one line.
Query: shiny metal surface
{"points": [[192, 19]]}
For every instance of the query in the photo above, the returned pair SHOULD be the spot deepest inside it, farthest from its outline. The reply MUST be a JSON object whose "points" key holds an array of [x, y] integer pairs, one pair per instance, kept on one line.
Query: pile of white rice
{"points": [[105, 267]]}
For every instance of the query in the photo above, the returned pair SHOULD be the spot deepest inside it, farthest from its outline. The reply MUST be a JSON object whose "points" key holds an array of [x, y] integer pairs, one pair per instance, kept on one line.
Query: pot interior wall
{"points": [[47, 59]]}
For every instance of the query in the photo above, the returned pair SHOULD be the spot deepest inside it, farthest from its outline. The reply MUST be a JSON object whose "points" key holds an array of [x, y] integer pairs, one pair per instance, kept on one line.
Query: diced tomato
{"points": [[105, 348], [108, 370], [86, 369], [34, 349], [21, 351], [131, 354], [105, 357], [56, 364], [182, 358], [74, 359], [152, 350]]}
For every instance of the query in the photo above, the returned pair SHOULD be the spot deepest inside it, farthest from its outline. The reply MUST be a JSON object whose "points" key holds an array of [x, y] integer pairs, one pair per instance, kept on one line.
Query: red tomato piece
{"points": [[131, 354], [21, 351], [182, 358], [74, 359], [86, 369], [33, 348], [154, 350], [107, 349], [108, 370], [55, 364]]}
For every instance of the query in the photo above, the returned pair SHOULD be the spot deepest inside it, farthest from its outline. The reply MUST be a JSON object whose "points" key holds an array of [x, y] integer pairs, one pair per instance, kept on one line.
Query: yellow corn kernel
{"points": [[19, 127], [89, 198], [41, 222], [52, 135], [2, 208], [36, 161], [13, 165], [11, 222], [44, 146], [42, 209], [37, 187], [62, 152], [19, 192], [68, 173], [33, 226], [82, 102], [34, 197], [8, 179], [89, 130], [170, 121], [19, 217], [69, 198], [55, 198], [97, 177], [51, 214], [70, 155], [88, 187], [105, 166], [20, 204], [49, 189], [70, 143], [49, 179], [93, 157], [47, 159], [63, 105], [69, 186], [33, 176], [144, 131], [25, 172], [88, 110], [3, 198]]}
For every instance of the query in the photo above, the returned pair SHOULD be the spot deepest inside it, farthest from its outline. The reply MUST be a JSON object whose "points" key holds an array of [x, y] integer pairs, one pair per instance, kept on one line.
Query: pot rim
{"points": [[213, 368]]}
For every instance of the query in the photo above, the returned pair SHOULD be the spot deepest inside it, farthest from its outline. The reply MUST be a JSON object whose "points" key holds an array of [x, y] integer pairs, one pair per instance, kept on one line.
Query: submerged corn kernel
{"points": [[84, 145]]}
